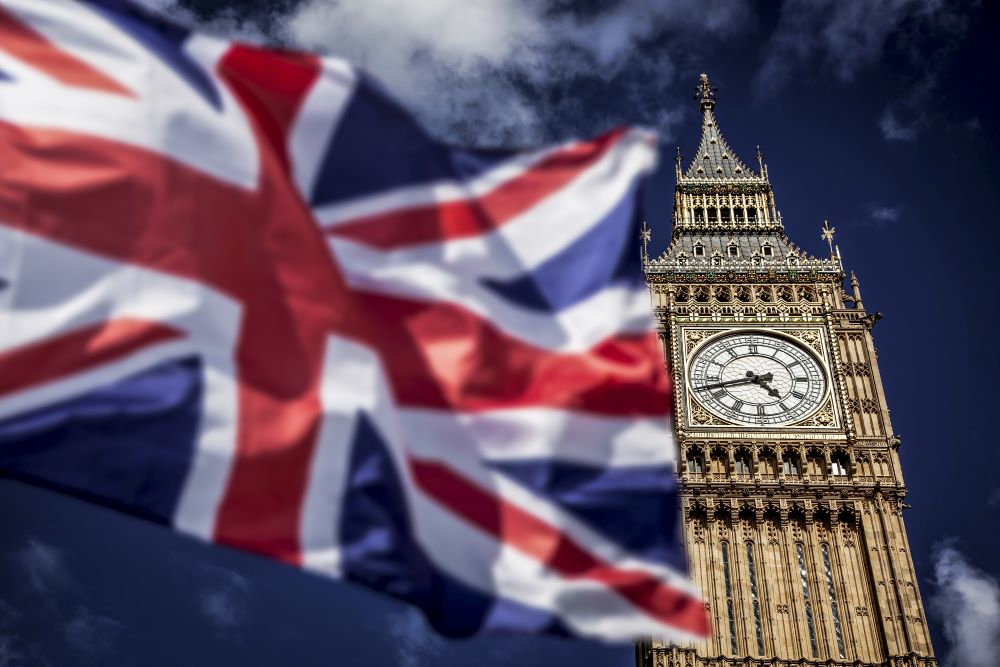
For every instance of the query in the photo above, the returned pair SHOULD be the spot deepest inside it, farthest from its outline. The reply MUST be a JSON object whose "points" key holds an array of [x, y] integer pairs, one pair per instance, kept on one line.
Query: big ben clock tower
{"points": [[791, 485]]}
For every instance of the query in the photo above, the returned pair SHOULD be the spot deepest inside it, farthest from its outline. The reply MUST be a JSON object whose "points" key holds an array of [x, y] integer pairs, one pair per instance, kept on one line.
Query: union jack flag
{"points": [[243, 294]]}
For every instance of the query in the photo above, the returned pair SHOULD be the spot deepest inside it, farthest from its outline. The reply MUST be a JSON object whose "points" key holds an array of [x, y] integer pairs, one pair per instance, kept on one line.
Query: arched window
{"points": [[815, 465], [839, 464], [742, 463], [713, 214], [695, 463], [699, 249], [718, 462], [768, 463], [725, 213], [804, 580], [699, 214], [755, 600], [738, 214], [838, 633], [730, 607], [733, 250], [790, 464], [752, 215]]}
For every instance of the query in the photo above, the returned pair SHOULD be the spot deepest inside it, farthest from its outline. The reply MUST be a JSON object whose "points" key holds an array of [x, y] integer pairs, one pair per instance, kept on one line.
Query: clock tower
{"points": [[792, 493]]}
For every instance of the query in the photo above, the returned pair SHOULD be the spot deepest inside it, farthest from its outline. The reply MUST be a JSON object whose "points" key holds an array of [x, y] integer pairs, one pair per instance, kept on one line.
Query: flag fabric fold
{"points": [[244, 294]]}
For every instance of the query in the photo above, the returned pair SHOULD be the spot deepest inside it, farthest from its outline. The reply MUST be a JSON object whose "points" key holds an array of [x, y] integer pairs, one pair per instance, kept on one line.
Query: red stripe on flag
{"points": [[61, 356], [534, 537], [61, 186], [439, 355], [447, 221], [24, 43], [272, 86], [260, 247], [295, 299]]}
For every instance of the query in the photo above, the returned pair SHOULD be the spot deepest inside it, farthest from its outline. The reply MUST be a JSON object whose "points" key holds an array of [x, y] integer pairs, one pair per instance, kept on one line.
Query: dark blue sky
{"points": [[882, 121]]}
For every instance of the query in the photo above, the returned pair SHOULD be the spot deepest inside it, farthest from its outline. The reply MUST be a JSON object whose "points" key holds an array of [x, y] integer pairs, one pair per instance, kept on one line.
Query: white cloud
{"points": [[44, 566], [478, 70], [844, 36], [894, 130], [90, 633], [509, 72], [224, 602], [967, 600], [885, 213], [10, 656], [9, 615], [416, 644]]}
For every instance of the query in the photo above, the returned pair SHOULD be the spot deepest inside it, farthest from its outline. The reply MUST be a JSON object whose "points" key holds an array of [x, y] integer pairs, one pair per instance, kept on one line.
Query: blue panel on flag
{"points": [[127, 444], [620, 503], [4, 76], [379, 551], [164, 39], [581, 269], [378, 146]]}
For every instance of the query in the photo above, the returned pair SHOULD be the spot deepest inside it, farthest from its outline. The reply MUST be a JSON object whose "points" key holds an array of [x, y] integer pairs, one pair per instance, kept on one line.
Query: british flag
{"points": [[243, 294]]}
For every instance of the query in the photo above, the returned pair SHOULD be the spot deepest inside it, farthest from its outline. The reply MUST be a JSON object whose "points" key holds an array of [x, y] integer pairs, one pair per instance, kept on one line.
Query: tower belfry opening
{"points": [[792, 492]]}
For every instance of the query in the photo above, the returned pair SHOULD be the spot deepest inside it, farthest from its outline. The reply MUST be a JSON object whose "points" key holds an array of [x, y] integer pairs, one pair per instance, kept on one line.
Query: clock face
{"points": [[757, 379]]}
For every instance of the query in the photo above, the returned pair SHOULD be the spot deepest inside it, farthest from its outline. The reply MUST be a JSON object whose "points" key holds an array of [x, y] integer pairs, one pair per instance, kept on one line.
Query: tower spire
{"points": [[705, 93], [714, 159]]}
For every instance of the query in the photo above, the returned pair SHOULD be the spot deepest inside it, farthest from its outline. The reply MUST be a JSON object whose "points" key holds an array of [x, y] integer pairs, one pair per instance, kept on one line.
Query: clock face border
{"points": [[817, 349]]}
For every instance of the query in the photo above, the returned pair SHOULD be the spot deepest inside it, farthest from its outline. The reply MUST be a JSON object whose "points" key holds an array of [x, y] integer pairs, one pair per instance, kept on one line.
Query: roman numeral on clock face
{"points": [[798, 395], [738, 405], [760, 411], [753, 349]]}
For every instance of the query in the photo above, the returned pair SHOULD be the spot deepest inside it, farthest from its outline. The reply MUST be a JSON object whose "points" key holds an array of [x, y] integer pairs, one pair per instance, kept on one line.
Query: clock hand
{"points": [[770, 390], [762, 382], [750, 378]]}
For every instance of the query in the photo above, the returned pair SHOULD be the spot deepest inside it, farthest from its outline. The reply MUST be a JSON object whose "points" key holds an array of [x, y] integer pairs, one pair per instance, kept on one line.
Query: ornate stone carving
{"points": [[693, 337], [822, 417], [703, 417], [809, 337]]}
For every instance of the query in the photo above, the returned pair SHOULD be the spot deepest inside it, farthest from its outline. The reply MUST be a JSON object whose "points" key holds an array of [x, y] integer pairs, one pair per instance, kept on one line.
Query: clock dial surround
{"points": [[757, 379]]}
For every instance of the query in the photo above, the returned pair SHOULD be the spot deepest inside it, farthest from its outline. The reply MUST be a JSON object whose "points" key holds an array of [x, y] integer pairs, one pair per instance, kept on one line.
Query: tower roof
{"points": [[725, 219], [714, 160]]}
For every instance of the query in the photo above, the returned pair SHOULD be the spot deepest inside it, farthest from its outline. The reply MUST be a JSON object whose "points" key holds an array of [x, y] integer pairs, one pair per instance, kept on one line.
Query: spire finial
{"points": [[705, 93], [827, 235], [677, 161], [645, 234]]}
